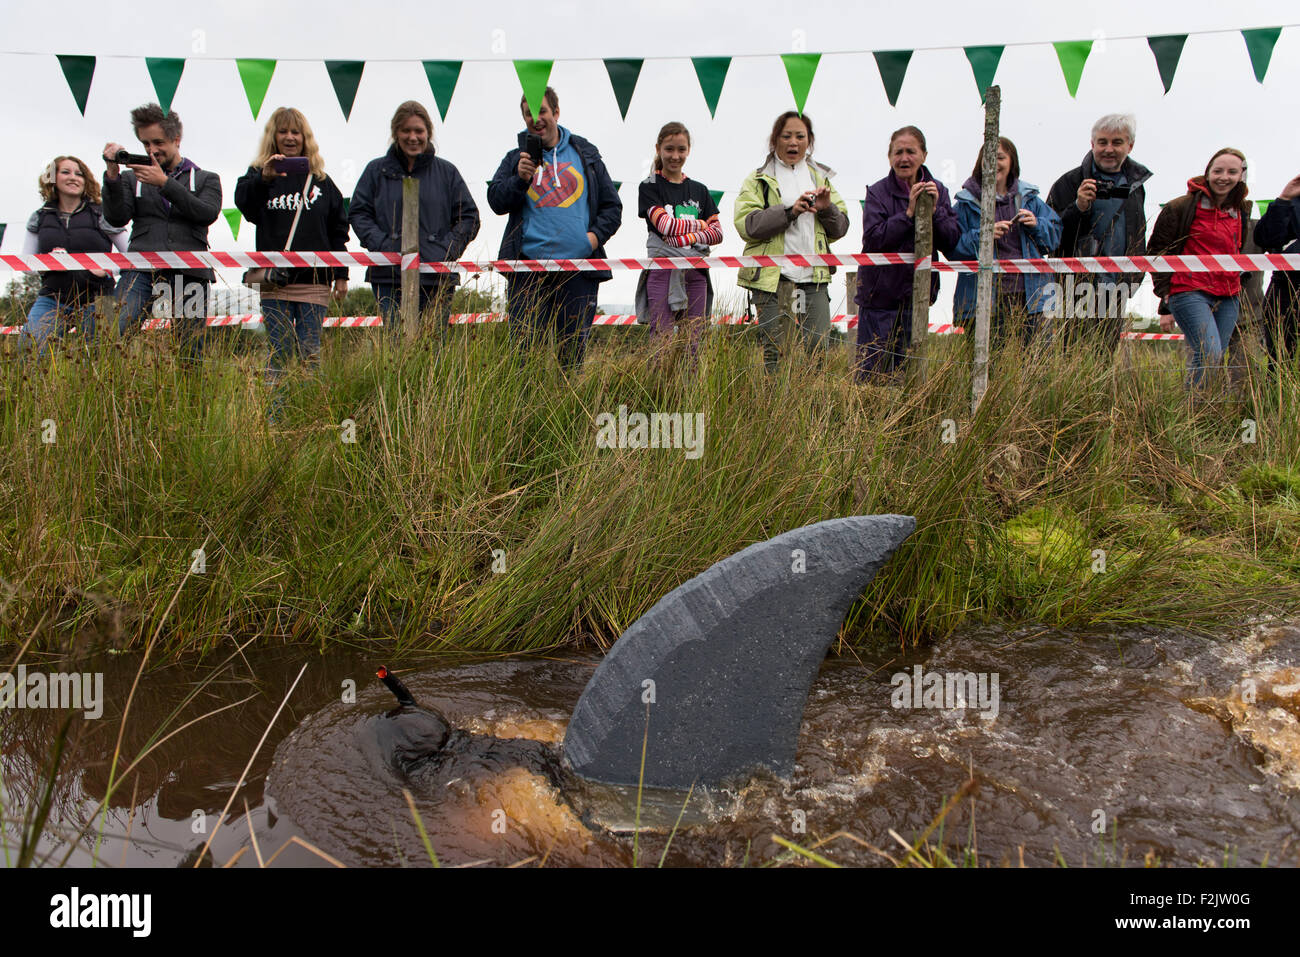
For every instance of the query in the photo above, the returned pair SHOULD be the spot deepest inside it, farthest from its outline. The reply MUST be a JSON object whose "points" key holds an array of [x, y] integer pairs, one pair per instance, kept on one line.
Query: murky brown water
{"points": [[1145, 736]]}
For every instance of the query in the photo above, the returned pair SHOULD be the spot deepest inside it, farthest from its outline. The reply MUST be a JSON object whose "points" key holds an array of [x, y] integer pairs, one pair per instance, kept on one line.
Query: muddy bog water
{"points": [[1178, 748]]}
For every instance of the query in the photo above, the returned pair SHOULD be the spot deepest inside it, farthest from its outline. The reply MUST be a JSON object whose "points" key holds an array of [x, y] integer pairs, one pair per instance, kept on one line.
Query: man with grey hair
{"points": [[1102, 209]]}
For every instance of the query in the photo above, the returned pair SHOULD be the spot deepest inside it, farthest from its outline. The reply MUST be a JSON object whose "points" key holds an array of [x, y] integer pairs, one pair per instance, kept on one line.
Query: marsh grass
{"points": [[466, 446]]}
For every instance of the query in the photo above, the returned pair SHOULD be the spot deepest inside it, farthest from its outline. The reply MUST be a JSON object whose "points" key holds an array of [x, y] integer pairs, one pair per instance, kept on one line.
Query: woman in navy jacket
{"points": [[884, 296], [1279, 231], [1024, 227], [449, 218]]}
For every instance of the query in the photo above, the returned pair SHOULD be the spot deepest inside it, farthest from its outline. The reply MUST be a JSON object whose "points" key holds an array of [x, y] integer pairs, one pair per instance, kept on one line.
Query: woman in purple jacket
{"points": [[884, 297]]}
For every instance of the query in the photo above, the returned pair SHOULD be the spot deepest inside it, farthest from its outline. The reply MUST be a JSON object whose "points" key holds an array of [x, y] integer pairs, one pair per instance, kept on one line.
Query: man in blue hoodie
{"points": [[565, 207]]}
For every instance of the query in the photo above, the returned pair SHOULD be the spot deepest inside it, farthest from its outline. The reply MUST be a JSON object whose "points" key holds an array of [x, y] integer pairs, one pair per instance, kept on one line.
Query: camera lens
{"points": [[121, 156]]}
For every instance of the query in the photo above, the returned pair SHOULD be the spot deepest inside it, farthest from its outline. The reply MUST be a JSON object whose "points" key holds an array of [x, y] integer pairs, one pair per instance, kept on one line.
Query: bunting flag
{"points": [[256, 77], [1073, 55], [1261, 207], [1259, 44], [165, 72], [442, 75], [800, 69], [618, 185], [78, 71], [1167, 50], [232, 219], [2, 233], [346, 77], [533, 76], [347, 205], [892, 65], [623, 75], [984, 64], [716, 194], [711, 71]]}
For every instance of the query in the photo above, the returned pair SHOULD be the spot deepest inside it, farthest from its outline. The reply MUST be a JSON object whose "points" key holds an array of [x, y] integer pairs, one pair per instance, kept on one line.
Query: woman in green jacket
{"points": [[788, 207]]}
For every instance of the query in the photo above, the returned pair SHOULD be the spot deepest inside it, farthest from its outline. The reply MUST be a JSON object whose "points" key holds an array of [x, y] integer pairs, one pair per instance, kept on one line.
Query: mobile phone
{"points": [[533, 147], [293, 164]]}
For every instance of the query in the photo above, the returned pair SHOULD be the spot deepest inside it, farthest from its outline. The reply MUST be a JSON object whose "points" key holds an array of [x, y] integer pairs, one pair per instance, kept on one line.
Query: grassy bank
{"points": [[459, 451]]}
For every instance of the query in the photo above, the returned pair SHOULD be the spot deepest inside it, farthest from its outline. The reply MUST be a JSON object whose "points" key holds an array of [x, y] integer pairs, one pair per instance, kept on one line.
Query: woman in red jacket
{"points": [[1211, 219]]}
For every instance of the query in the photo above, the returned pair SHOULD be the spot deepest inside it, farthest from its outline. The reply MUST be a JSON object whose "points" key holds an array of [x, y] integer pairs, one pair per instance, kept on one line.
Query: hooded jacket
{"points": [[1075, 234], [1035, 243], [508, 194], [173, 217], [1174, 224], [449, 218], [1279, 226], [886, 227], [761, 219]]}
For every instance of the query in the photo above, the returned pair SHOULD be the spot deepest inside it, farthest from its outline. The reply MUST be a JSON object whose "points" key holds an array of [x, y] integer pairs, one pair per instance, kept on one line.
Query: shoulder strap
{"points": [[302, 201]]}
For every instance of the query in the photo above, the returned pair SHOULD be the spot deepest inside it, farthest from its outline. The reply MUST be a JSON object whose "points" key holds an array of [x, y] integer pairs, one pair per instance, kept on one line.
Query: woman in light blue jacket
{"points": [[1024, 227]]}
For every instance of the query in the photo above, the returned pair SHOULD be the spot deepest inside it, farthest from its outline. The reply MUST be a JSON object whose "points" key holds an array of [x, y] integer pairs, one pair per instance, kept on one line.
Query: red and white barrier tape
{"points": [[848, 321], [1239, 262]]}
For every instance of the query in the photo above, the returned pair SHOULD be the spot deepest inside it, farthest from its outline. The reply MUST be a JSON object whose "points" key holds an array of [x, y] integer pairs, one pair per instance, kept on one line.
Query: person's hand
{"points": [[110, 149], [804, 204], [591, 238], [526, 167], [1026, 218], [822, 199], [1000, 228], [269, 169], [340, 289], [917, 189], [1086, 195], [151, 175], [1291, 190], [1167, 323]]}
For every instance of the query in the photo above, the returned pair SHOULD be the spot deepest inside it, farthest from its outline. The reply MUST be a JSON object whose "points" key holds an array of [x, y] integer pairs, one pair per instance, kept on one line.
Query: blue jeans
{"points": [[436, 295], [291, 326], [47, 314], [1207, 321], [135, 293]]}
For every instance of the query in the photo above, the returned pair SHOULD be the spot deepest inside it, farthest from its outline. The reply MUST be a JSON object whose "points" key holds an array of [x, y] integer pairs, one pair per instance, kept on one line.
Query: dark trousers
{"points": [[435, 301], [884, 338], [560, 303], [188, 298]]}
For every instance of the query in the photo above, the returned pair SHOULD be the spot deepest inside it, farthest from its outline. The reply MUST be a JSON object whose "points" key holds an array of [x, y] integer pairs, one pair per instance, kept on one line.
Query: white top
{"points": [[801, 236]]}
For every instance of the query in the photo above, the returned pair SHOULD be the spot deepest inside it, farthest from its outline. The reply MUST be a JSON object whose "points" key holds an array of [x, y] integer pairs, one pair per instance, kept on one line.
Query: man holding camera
{"points": [[169, 203], [1102, 210], [562, 205]]}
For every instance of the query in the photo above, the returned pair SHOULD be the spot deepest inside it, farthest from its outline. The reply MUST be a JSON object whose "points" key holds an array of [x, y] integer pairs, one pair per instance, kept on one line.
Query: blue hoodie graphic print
{"points": [[555, 220]]}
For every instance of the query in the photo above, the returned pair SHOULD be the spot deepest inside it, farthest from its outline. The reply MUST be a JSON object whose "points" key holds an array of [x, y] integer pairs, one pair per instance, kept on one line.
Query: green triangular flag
{"points": [[1167, 50], [78, 71], [623, 75], [1259, 44], [347, 204], [256, 77], [442, 75], [712, 73], [533, 75], [2, 232], [232, 218], [716, 194], [346, 77], [984, 64], [863, 204], [1073, 54], [892, 65], [166, 75], [800, 68], [618, 184], [1261, 207]]}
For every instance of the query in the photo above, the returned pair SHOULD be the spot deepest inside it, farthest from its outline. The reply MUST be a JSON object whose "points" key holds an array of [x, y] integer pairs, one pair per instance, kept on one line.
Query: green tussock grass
{"points": [[463, 449]]}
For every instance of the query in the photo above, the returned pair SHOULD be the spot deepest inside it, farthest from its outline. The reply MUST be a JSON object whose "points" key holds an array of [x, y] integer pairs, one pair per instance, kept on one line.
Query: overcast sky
{"points": [[1215, 100]]}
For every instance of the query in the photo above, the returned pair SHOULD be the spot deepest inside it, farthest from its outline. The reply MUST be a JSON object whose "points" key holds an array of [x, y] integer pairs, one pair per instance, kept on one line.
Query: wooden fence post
{"points": [[410, 308], [917, 365], [984, 280]]}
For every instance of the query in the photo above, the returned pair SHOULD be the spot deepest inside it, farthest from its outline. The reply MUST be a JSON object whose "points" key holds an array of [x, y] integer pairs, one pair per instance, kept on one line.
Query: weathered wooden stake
{"points": [[410, 308], [917, 365], [984, 281]]}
